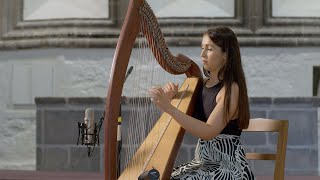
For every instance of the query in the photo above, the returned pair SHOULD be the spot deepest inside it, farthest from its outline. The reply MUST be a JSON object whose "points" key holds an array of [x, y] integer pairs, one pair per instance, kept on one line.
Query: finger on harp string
{"points": [[156, 87], [153, 94]]}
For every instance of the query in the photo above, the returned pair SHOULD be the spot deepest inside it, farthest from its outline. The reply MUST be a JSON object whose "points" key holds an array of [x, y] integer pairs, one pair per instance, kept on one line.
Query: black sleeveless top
{"points": [[207, 102]]}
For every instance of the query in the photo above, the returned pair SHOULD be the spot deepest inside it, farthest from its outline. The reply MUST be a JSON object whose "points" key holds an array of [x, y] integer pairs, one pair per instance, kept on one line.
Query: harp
{"points": [[162, 155]]}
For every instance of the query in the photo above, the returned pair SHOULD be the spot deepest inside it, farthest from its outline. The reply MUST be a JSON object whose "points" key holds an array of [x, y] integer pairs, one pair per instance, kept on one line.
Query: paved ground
{"points": [[40, 175], [292, 178]]}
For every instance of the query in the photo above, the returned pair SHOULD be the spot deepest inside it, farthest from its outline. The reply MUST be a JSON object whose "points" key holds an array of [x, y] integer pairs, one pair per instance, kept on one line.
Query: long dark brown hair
{"points": [[231, 72]]}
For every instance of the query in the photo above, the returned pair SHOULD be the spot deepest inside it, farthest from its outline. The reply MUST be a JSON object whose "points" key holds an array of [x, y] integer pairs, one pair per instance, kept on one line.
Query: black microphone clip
{"points": [[89, 139]]}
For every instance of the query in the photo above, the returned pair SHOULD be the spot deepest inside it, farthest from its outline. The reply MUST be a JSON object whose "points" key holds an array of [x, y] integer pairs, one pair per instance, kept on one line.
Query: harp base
{"points": [[152, 174]]}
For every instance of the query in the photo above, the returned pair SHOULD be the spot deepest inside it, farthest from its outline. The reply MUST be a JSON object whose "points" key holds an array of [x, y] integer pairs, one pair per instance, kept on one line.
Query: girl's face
{"points": [[212, 56]]}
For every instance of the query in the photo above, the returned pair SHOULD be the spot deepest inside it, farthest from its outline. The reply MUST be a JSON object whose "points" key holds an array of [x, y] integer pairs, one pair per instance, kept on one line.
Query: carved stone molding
{"points": [[15, 33], [253, 23], [288, 31]]}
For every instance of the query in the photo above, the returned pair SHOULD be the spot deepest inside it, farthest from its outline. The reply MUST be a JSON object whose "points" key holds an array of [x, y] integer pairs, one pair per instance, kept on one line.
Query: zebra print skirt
{"points": [[221, 158]]}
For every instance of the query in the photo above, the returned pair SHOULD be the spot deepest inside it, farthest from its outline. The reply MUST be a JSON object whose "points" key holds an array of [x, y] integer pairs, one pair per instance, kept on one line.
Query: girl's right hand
{"points": [[170, 89]]}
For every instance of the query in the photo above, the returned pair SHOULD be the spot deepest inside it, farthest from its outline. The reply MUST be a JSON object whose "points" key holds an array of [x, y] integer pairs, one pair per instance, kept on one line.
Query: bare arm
{"points": [[215, 122]]}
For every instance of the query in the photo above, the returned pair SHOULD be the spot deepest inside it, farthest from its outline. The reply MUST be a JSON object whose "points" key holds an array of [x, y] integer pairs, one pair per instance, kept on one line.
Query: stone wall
{"points": [[25, 74], [57, 134], [73, 57]]}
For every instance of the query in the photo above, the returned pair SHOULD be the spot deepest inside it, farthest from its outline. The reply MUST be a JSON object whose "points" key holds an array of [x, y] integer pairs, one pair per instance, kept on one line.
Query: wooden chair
{"points": [[271, 125]]}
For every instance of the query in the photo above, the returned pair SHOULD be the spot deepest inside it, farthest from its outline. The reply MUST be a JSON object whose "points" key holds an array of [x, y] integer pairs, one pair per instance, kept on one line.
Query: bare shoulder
{"points": [[234, 88], [234, 91]]}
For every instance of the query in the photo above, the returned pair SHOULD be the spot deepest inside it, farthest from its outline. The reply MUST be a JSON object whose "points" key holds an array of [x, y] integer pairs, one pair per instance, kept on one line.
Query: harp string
{"points": [[139, 102], [143, 114]]}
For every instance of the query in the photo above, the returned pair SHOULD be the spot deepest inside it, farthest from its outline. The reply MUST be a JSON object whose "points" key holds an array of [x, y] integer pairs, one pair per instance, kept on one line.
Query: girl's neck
{"points": [[212, 81]]}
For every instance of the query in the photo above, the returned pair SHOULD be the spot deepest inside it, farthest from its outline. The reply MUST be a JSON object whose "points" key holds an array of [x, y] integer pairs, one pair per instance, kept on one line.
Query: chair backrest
{"points": [[271, 125]]}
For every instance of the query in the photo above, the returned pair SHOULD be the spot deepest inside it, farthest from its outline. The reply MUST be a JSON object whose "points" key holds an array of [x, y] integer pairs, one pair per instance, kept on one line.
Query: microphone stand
{"points": [[119, 142], [83, 132], [119, 135]]}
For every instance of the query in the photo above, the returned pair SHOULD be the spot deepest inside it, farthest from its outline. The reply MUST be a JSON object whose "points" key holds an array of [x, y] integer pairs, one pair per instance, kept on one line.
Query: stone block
{"points": [[251, 166], [39, 127], [87, 101], [254, 113], [189, 139], [45, 102], [303, 125], [102, 158], [296, 102], [272, 138], [263, 167], [302, 161], [260, 102], [57, 126], [253, 138], [61, 127], [21, 79], [247, 148], [52, 158], [79, 160], [184, 155], [39, 158], [265, 149], [302, 172]]}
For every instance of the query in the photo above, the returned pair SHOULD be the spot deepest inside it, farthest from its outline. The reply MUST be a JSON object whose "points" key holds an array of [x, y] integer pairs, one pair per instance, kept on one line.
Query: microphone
{"points": [[88, 131], [128, 73], [89, 122]]}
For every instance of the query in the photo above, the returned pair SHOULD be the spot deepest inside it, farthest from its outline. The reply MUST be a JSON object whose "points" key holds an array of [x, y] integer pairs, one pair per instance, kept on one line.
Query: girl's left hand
{"points": [[159, 97]]}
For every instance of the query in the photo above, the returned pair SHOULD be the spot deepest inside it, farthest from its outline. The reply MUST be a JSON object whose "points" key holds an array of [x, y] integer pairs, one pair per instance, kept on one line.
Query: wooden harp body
{"points": [[162, 155]]}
